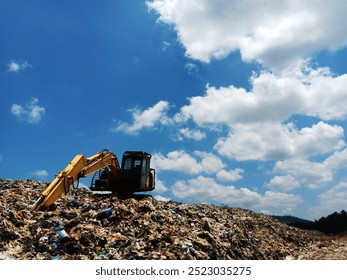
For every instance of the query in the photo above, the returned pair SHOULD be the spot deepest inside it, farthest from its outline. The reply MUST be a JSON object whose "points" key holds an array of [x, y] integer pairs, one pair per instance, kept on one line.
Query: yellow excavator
{"points": [[134, 175]]}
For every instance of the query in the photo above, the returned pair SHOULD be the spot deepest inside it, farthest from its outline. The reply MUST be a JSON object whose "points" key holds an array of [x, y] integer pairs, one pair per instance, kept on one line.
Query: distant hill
{"points": [[289, 220], [333, 223]]}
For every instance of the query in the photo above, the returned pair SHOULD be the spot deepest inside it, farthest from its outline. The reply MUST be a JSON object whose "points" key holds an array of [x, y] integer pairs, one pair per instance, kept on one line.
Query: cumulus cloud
{"points": [[307, 91], [181, 161], [283, 183], [308, 173], [337, 160], [145, 119], [31, 112], [273, 33], [271, 140], [194, 134], [204, 189], [230, 175], [162, 198], [258, 119], [16, 66], [160, 186]]}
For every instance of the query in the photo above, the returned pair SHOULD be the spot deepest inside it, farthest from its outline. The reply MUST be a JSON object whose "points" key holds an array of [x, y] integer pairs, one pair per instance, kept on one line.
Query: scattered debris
{"points": [[85, 226]]}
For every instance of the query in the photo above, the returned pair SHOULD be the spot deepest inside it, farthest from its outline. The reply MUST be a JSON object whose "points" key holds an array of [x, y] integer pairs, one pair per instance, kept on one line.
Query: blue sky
{"points": [[241, 103]]}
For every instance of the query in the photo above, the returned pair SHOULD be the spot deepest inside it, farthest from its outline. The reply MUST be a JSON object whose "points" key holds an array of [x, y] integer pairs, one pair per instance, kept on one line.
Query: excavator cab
{"points": [[135, 175]]}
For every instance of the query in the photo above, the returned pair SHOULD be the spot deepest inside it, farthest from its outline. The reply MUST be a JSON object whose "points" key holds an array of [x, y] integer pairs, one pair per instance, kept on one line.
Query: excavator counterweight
{"points": [[135, 175]]}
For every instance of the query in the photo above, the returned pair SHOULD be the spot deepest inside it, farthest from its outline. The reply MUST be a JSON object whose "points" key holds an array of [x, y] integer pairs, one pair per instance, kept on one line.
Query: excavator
{"points": [[134, 175]]}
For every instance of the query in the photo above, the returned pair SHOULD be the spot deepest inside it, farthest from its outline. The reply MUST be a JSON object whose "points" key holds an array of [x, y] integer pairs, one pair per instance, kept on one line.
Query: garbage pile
{"points": [[86, 226]]}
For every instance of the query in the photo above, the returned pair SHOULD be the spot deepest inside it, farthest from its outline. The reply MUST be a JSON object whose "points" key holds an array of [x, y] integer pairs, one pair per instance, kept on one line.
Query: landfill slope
{"points": [[86, 226]]}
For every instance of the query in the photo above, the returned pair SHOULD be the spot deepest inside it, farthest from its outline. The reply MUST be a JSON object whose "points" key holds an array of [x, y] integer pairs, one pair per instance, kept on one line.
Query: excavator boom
{"points": [[79, 167]]}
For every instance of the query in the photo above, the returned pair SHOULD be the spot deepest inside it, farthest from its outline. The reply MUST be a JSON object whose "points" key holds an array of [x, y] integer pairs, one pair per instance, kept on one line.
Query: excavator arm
{"points": [[79, 167]]}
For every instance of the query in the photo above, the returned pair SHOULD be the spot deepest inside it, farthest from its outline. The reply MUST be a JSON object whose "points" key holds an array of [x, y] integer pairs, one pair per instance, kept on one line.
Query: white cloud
{"points": [[31, 112], [304, 91], [160, 186], [308, 173], [184, 162], [264, 141], [210, 163], [326, 97], [40, 173], [333, 200], [16, 66], [283, 183], [337, 160], [194, 134], [257, 119], [279, 203], [230, 175], [298, 171], [161, 198], [145, 119], [273, 33], [204, 189]]}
